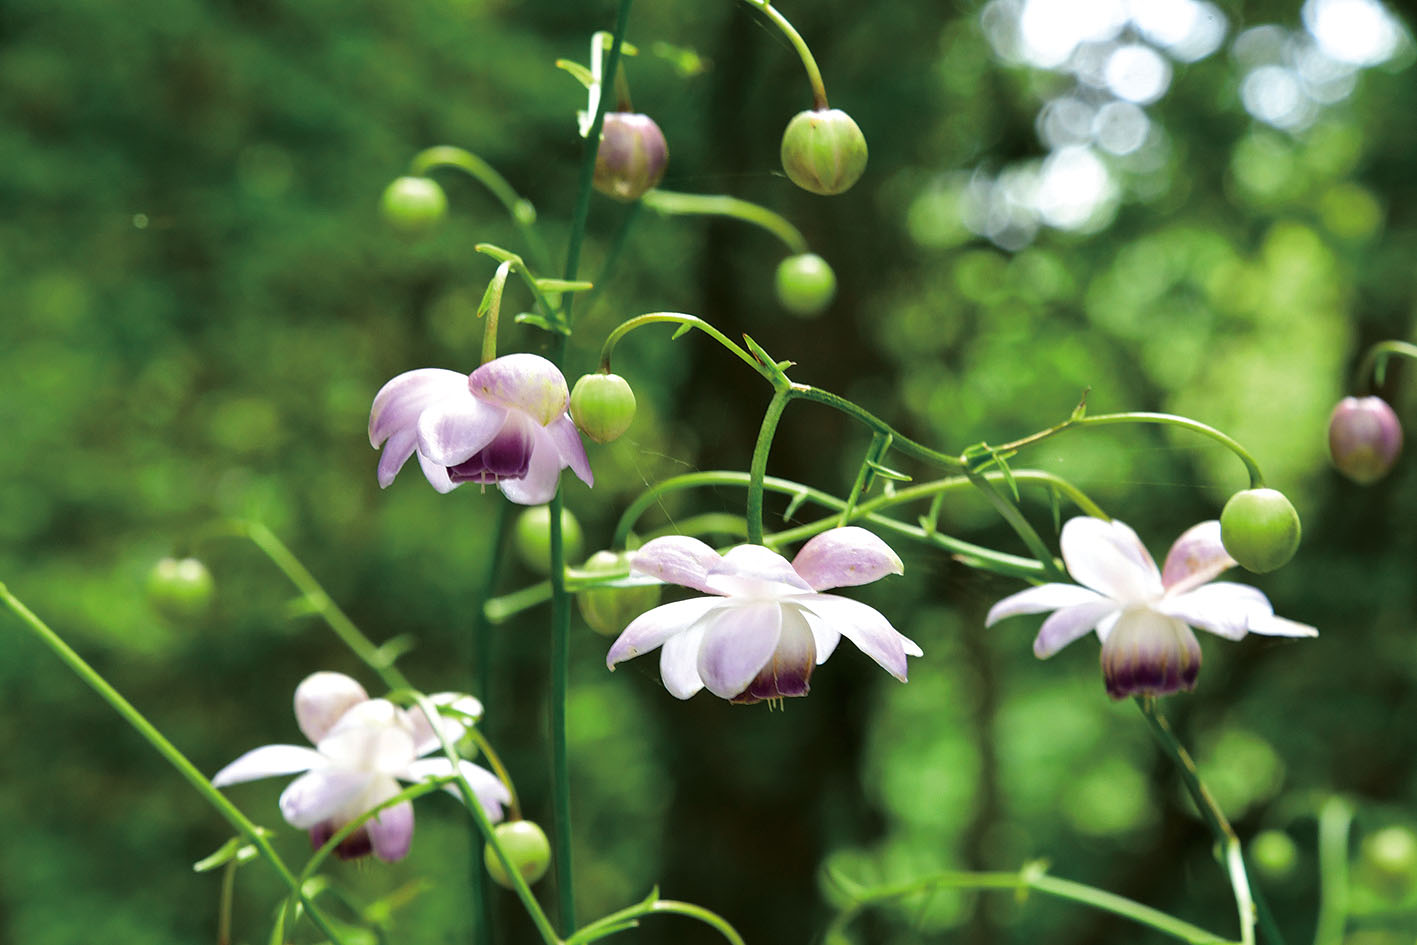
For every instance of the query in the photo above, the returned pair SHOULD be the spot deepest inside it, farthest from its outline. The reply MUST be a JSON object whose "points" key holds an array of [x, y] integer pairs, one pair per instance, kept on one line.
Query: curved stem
{"points": [[814, 75], [233, 815], [760, 464], [898, 440], [669, 202], [1374, 362], [1335, 819], [522, 212], [685, 322], [627, 919]]}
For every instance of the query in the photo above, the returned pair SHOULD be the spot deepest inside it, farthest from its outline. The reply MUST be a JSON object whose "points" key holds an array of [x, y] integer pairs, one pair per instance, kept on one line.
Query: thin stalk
{"points": [[686, 321], [628, 918], [521, 210], [814, 75], [1374, 362], [1335, 820], [759, 466], [721, 205], [898, 441], [560, 762]]}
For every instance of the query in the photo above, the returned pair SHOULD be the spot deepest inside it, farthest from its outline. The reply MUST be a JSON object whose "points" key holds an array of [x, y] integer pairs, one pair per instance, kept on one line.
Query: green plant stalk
{"points": [[521, 210], [228, 900], [167, 750], [482, 670], [494, 311], [879, 444], [628, 918], [898, 441], [560, 684], [722, 205], [758, 470], [1035, 880], [613, 252], [1374, 362], [814, 75], [676, 318], [1335, 820], [1014, 516]]}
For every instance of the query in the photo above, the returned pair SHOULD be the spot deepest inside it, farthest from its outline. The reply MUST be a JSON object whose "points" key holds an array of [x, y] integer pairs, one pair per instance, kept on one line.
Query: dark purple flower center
{"points": [[352, 847], [508, 456], [788, 673], [1150, 655]]}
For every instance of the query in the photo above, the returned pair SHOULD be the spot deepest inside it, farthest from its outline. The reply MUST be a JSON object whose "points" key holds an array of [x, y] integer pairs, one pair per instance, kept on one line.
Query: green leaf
{"points": [[500, 254], [540, 321], [1080, 410], [886, 472], [224, 854], [563, 285], [684, 328], [578, 71], [796, 502], [493, 295], [278, 931]]}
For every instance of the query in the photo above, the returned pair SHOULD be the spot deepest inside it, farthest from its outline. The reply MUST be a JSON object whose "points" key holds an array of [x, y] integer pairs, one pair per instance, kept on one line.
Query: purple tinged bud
{"points": [[631, 157], [823, 151], [1364, 438]]}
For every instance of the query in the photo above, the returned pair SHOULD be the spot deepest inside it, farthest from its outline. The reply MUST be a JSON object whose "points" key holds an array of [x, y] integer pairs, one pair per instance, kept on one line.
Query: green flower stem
{"points": [[628, 919], [522, 212], [759, 465], [556, 319], [1374, 362], [613, 252], [491, 309], [228, 900], [376, 658], [898, 441], [685, 322], [168, 751], [1014, 516], [1030, 877], [560, 763], [677, 204], [1335, 819], [814, 75], [494, 760], [880, 442]]}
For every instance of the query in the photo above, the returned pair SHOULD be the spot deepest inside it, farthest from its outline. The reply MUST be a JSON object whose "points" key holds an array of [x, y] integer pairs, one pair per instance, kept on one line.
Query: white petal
{"points": [[424, 738], [1220, 607], [538, 486], [437, 475], [451, 430], [525, 382], [396, 452], [400, 401], [269, 761], [1281, 627], [490, 792], [679, 663], [1069, 623], [374, 736], [755, 571], [1196, 558], [653, 627], [738, 642], [825, 636], [320, 795], [320, 700], [676, 559], [867, 628], [1109, 558], [567, 438], [1036, 600]]}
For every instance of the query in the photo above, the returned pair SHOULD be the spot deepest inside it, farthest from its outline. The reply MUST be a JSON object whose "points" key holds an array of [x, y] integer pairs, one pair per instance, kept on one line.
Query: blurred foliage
{"points": [[201, 302]]}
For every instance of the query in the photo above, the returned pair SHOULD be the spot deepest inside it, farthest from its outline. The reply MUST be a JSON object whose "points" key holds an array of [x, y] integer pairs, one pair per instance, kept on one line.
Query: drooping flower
{"points": [[1144, 616], [765, 623], [505, 423], [363, 748]]}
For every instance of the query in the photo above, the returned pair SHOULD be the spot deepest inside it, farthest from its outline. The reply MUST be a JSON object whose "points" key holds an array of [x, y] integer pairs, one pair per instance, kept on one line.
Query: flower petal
{"points": [[391, 830], [1274, 626], [653, 627], [525, 382], [543, 475], [490, 792], [567, 438], [676, 559], [788, 673], [755, 571], [1109, 558], [1036, 600], [1069, 623], [437, 475], [372, 736], [824, 635], [396, 452], [424, 738], [845, 557], [314, 797], [1149, 654], [867, 628], [400, 401], [269, 761], [679, 662], [451, 430], [320, 700], [1221, 607], [738, 642], [1196, 558]]}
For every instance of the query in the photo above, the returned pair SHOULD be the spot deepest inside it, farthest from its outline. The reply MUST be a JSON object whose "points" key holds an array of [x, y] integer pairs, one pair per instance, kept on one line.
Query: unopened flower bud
{"points": [[805, 284], [602, 406], [1390, 857], [1259, 529], [180, 590], [533, 537], [526, 847], [414, 204], [1364, 438], [1274, 853], [608, 610], [631, 157], [823, 151]]}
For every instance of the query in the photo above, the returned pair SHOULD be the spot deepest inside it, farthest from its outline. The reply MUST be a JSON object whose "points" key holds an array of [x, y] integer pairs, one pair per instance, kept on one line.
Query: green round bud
{"points": [[608, 610], [413, 204], [180, 589], [1274, 853], [1391, 853], [526, 847], [603, 406], [823, 151], [805, 284], [631, 157], [1259, 529], [532, 536]]}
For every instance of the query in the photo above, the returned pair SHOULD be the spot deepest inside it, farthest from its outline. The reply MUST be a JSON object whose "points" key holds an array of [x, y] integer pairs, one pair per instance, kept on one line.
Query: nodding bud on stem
{"points": [[1364, 438], [603, 406], [180, 589], [823, 151], [413, 204], [1260, 529], [805, 284], [608, 610], [631, 157]]}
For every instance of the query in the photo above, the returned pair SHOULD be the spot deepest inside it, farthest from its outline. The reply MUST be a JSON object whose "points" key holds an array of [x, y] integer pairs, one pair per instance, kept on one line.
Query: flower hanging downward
{"points": [[765, 625], [363, 748], [1144, 616], [505, 423]]}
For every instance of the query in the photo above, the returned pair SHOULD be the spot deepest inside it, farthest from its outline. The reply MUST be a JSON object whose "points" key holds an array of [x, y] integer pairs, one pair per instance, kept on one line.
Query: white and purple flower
{"points": [[363, 748], [1144, 616], [765, 624], [505, 423]]}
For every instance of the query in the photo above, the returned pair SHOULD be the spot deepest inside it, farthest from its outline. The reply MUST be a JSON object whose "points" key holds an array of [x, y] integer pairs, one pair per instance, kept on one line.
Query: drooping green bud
{"points": [[180, 589], [823, 151], [805, 284], [532, 537], [603, 406], [608, 610], [414, 204], [631, 157], [526, 847], [1260, 529]]}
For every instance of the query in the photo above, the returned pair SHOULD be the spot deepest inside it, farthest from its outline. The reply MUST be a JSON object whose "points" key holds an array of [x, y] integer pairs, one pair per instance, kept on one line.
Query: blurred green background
{"points": [[1180, 206]]}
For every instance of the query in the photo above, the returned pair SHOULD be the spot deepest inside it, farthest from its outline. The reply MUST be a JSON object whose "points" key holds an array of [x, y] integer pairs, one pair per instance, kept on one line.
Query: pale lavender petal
{"points": [[755, 571], [1105, 625], [651, 628], [677, 559], [1069, 623], [825, 636], [1196, 558], [453, 429], [424, 738], [1271, 625], [1036, 600], [738, 641], [679, 662], [397, 450], [1109, 558], [538, 486], [400, 401], [569, 447], [318, 795], [525, 382], [437, 475], [1220, 607], [845, 557], [867, 628], [269, 761], [320, 700], [391, 830], [490, 792], [788, 673]]}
